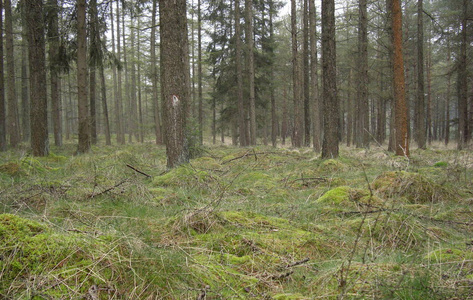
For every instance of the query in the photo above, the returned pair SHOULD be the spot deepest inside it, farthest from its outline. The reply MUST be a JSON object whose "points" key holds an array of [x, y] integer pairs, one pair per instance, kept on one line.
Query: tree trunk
{"points": [[316, 130], [250, 61], [362, 113], [53, 41], [3, 124], [175, 79], [199, 72], [37, 66], [331, 103], [447, 97], [463, 83], [25, 101], [419, 120], [401, 121], [83, 104], [108, 139], [154, 78], [133, 106], [239, 74], [274, 121], [306, 72], [119, 98], [297, 134], [13, 118]]}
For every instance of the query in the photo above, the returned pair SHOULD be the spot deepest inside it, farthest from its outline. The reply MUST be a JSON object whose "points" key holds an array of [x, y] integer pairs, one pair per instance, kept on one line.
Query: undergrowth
{"points": [[253, 223]]}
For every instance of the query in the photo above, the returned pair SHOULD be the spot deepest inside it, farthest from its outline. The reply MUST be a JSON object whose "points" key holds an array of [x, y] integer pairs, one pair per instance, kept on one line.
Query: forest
{"points": [[236, 149]]}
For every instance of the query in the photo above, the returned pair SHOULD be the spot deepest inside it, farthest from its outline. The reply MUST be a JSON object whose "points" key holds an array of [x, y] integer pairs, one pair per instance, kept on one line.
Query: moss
{"points": [[256, 180], [413, 186], [180, 176], [287, 296], [206, 163], [332, 165], [449, 255], [441, 164], [11, 168]]}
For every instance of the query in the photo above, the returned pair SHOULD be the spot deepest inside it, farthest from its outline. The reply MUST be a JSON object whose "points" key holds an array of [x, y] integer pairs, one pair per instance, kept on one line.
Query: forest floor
{"points": [[236, 223]]}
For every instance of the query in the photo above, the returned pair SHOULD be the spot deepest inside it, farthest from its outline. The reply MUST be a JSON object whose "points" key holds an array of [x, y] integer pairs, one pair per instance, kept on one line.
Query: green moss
{"points": [[441, 164], [449, 255], [11, 168], [332, 165], [287, 296], [336, 196], [206, 163], [180, 176]]}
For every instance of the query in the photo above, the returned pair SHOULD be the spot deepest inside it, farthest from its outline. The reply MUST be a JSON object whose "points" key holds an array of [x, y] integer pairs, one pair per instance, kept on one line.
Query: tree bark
{"points": [[362, 113], [306, 72], [297, 134], [463, 83], [175, 79], [199, 72], [83, 104], [331, 103], [121, 122], [239, 73], [154, 77], [419, 120], [37, 66], [316, 130], [13, 118], [250, 60], [3, 124], [25, 101], [401, 121]]}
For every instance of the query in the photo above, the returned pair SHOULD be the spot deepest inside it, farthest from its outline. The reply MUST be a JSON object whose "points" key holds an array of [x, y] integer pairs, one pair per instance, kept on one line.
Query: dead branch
{"points": [[138, 171], [109, 189], [297, 263]]}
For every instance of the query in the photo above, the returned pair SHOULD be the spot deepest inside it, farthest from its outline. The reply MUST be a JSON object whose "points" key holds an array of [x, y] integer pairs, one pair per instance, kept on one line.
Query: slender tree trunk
{"points": [[3, 124], [297, 134], [447, 97], [37, 66], [239, 73], [108, 139], [429, 98], [93, 43], [83, 104], [331, 103], [25, 101], [140, 103], [154, 78], [363, 130], [284, 116], [316, 130], [121, 125], [133, 100], [199, 72], [463, 83], [401, 123], [274, 121], [250, 60], [306, 73], [175, 79], [420, 103], [13, 118]]}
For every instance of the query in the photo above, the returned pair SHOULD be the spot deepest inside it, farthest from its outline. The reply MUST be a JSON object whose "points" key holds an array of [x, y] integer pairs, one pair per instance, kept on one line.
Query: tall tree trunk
{"points": [[419, 120], [154, 78], [463, 83], [401, 121], [140, 102], [316, 130], [25, 101], [306, 72], [13, 118], [429, 97], [284, 116], [133, 106], [3, 124], [37, 66], [119, 99], [447, 97], [94, 62], [83, 104], [175, 79], [362, 114], [239, 73], [199, 72], [274, 121], [331, 103], [250, 60], [53, 41], [297, 134]]}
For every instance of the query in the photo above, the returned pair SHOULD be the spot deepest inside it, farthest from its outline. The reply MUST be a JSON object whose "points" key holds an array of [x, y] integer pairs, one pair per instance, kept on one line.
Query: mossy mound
{"points": [[56, 265], [412, 186], [446, 255], [345, 196], [11, 168], [332, 165], [183, 175], [206, 163]]}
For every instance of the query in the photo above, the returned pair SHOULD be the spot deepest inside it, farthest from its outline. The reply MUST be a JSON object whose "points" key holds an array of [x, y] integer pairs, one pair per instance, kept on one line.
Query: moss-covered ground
{"points": [[251, 223]]}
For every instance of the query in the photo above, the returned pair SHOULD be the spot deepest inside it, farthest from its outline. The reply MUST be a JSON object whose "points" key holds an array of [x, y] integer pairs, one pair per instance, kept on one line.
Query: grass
{"points": [[252, 223]]}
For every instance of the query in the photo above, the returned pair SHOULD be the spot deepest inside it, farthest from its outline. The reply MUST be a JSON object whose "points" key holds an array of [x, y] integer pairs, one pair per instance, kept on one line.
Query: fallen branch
{"points": [[297, 263], [138, 171], [109, 189]]}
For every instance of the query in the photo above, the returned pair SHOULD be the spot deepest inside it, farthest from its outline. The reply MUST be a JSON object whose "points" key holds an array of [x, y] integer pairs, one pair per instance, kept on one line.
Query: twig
{"points": [[281, 276], [297, 263], [109, 189], [138, 171]]}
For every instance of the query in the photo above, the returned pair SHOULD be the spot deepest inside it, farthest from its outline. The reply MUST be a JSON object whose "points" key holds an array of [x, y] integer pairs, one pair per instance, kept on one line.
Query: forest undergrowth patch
{"points": [[261, 223]]}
